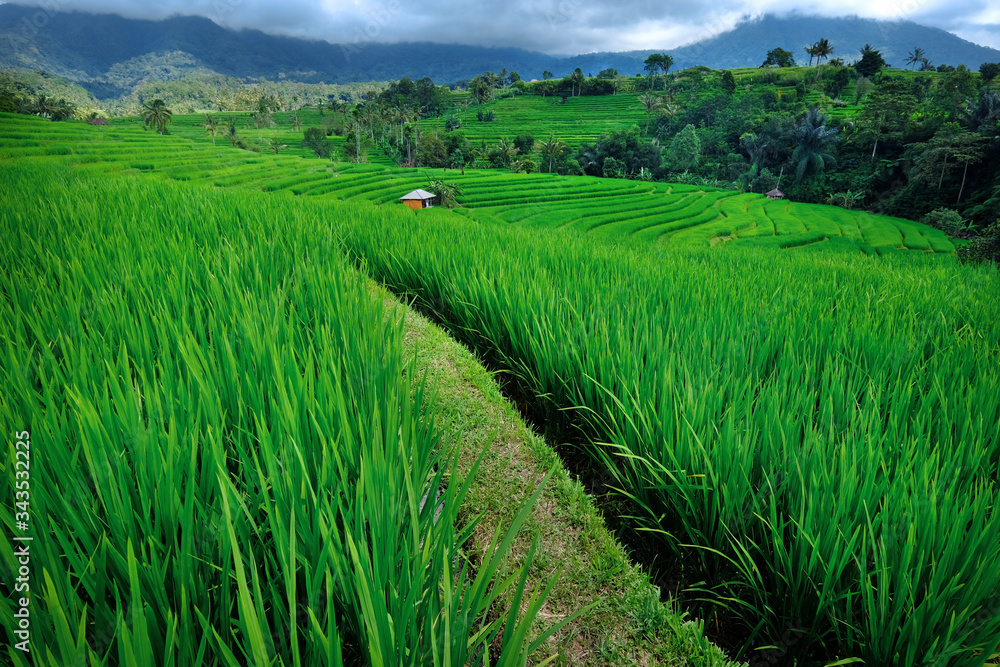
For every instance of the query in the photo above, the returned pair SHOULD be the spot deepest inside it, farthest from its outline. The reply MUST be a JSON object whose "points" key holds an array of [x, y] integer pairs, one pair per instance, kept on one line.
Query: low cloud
{"points": [[550, 26]]}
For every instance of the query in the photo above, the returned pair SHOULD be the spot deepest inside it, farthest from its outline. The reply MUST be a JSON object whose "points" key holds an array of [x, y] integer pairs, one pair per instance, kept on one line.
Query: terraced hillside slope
{"points": [[680, 215]]}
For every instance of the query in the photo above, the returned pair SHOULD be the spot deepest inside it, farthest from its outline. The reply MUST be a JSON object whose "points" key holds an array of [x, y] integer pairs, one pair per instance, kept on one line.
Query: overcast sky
{"points": [[553, 26]]}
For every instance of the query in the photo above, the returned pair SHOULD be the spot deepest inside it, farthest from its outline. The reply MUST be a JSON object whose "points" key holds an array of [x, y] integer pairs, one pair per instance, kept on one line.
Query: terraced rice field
{"points": [[815, 442], [678, 215], [576, 121]]}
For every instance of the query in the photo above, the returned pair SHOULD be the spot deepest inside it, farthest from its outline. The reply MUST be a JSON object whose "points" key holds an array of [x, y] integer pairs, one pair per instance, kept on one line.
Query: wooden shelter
{"points": [[418, 199], [775, 194]]}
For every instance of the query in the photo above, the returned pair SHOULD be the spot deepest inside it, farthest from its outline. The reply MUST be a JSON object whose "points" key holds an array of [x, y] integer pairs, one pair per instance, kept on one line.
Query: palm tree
{"points": [[211, 126], [666, 62], [232, 134], [651, 102], [577, 80], [43, 106], [822, 50], [296, 122], [507, 150], [157, 115], [275, 145], [814, 141], [917, 56], [552, 149], [446, 192], [811, 50], [757, 147]]}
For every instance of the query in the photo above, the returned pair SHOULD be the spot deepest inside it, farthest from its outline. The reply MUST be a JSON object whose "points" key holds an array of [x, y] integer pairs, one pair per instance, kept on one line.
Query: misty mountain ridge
{"points": [[109, 55]]}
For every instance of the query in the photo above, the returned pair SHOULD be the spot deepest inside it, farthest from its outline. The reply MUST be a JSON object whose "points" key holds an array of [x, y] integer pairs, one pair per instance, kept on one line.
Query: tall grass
{"points": [[232, 462], [816, 437]]}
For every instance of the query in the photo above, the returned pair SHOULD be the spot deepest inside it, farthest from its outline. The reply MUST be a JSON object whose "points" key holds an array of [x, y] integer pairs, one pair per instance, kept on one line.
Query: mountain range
{"points": [[109, 55]]}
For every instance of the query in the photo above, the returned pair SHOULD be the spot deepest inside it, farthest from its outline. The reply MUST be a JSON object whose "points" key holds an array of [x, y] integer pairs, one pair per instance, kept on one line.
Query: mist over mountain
{"points": [[109, 55]]}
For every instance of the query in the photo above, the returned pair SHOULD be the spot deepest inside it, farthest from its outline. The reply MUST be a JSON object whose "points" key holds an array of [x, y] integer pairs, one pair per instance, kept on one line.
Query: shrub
{"points": [[984, 248], [948, 221]]}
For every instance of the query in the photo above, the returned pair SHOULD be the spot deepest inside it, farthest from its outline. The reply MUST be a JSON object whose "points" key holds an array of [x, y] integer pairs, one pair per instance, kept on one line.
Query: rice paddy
{"points": [[798, 405]]}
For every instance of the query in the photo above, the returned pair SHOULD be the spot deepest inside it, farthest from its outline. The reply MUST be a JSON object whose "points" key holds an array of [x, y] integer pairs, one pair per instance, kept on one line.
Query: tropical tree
{"points": [[815, 140], [862, 87], [618, 81], [457, 161], [685, 149], [871, 62], [811, 50], [157, 115], [315, 140], [887, 116], [651, 102], [446, 192], [728, 82], [576, 80], [232, 134], [275, 145], [658, 62], [552, 149], [652, 64], [822, 50], [296, 121], [504, 152], [43, 106], [778, 57], [211, 126], [983, 115], [757, 147], [916, 56], [546, 75]]}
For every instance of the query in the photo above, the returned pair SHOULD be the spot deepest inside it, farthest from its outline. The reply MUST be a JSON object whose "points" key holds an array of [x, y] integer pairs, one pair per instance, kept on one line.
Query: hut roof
{"points": [[418, 194], [776, 194]]}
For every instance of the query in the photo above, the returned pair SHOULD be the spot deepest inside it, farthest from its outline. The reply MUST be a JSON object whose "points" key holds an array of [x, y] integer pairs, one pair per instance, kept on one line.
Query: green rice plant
{"points": [[795, 430], [233, 463]]}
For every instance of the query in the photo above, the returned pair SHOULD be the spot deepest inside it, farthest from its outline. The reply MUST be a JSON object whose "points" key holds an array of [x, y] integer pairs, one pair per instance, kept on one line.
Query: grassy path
{"points": [[629, 625]]}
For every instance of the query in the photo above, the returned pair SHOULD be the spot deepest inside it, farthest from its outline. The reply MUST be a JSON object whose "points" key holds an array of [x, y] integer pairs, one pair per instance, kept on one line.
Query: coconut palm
{"points": [[157, 115], [757, 147], [275, 145], [232, 133], [814, 142], [446, 192], [822, 50], [552, 149], [651, 102], [211, 126], [43, 106], [296, 122], [506, 150], [811, 50], [917, 56]]}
